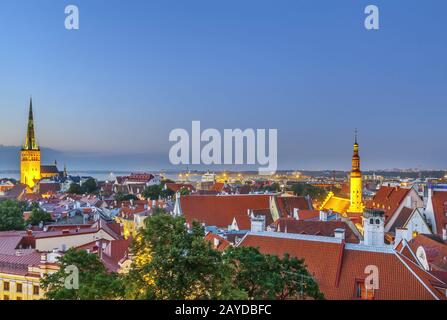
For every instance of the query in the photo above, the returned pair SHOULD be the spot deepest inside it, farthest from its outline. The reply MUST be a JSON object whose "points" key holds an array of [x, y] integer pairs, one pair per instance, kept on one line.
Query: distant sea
{"points": [[103, 175]]}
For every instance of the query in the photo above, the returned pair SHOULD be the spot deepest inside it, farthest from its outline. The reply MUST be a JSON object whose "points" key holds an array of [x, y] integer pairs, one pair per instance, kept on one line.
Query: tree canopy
{"points": [[37, 216], [304, 189], [94, 282], [88, 187], [172, 262], [11, 216]]}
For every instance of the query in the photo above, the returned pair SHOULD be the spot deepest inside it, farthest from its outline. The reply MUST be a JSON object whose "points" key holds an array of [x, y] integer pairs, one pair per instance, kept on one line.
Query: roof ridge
{"points": [[400, 257]]}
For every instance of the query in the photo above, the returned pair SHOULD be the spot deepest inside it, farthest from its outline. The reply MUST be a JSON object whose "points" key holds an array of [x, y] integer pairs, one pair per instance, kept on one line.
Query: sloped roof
{"points": [[337, 204], [336, 266], [222, 243], [178, 186], [401, 220], [49, 169], [320, 228], [439, 200], [220, 210], [388, 199], [286, 205], [435, 248]]}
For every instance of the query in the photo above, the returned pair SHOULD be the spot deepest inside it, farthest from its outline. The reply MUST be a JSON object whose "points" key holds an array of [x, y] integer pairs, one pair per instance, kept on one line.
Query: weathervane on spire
{"points": [[355, 134]]}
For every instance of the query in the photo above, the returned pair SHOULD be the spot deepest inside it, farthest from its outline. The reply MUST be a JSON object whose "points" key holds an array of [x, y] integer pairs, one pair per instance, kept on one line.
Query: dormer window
{"points": [[361, 292]]}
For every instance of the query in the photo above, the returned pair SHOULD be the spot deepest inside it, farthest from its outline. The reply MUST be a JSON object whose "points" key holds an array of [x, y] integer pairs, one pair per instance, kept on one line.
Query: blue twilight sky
{"points": [[112, 91]]}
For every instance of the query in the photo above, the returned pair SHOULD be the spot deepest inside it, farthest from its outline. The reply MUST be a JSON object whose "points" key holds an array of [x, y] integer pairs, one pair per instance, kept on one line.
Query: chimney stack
{"points": [[295, 213], [323, 215], [444, 234], [339, 233]]}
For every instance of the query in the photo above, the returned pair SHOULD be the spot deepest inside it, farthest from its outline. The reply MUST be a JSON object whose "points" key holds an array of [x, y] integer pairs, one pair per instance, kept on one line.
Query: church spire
{"points": [[30, 141], [355, 156]]}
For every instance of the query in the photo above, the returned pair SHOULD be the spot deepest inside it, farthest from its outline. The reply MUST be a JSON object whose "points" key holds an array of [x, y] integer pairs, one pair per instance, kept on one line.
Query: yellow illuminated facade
{"points": [[30, 155], [25, 286], [356, 203]]}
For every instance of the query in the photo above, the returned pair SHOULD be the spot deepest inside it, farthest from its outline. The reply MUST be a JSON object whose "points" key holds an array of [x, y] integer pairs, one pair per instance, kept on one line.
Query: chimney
{"points": [[216, 242], [43, 258], [295, 213], [339, 233], [444, 234], [374, 228], [323, 215], [257, 223]]}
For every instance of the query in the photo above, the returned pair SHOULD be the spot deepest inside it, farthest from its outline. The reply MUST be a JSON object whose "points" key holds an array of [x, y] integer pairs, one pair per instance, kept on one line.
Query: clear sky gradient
{"points": [[138, 69]]}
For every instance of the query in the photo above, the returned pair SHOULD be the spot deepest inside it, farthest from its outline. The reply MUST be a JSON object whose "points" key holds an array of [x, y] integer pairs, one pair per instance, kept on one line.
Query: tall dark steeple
{"points": [[30, 141], [355, 156]]}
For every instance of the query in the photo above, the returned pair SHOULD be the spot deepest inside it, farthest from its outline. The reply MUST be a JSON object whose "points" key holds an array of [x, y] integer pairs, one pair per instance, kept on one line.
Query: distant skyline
{"points": [[109, 94]]}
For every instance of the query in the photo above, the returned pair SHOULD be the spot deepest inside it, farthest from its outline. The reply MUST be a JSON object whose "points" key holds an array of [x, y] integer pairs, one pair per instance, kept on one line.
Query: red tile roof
{"points": [[178, 186], [388, 199], [219, 211], [286, 205], [439, 200], [435, 249], [337, 267], [320, 228], [308, 214], [402, 219], [222, 243]]}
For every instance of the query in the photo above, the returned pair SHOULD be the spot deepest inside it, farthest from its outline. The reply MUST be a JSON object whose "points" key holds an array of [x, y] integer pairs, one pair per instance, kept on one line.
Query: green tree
{"points": [[173, 263], [119, 196], [75, 189], [184, 191], [304, 189], [274, 187], [167, 193], [152, 192], [95, 283], [11, 216], [90, 186], [265, 276], [38, 215]]}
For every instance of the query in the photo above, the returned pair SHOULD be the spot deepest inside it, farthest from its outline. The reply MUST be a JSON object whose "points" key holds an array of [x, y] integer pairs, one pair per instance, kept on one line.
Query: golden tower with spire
{"points": [[30, 154], [356, 203]]}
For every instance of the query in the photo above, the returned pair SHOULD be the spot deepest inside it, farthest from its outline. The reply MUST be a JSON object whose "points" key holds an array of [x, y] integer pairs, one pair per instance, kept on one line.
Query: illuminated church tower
{"points": [[356, 205], [30, 154]]}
